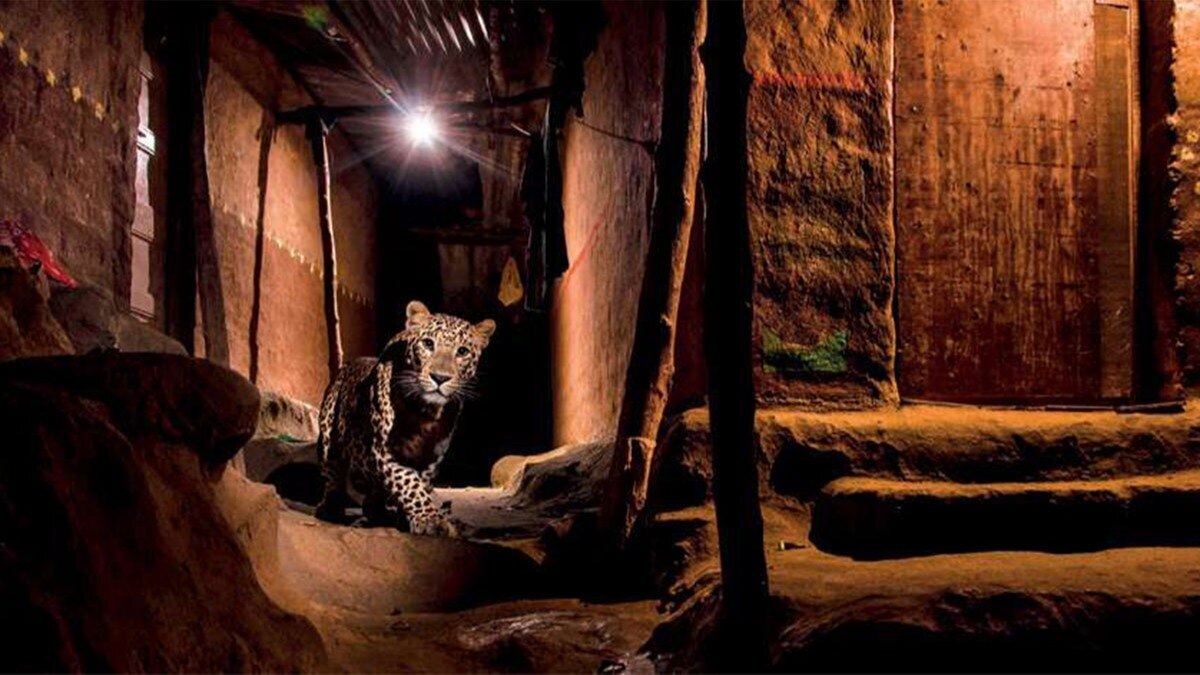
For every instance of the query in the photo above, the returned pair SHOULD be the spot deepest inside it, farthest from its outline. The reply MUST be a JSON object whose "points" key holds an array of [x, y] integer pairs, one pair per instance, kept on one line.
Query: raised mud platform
{"points": [[800, 452]]}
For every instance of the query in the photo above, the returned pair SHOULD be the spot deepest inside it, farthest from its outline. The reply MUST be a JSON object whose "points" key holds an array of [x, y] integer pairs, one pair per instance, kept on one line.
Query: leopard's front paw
{"points": [[437, 526], [452, 528]]}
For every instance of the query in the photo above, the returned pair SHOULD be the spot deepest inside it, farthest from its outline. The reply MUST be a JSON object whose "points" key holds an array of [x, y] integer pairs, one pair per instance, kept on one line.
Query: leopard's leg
{"points": [[332, 506], [376, 511], [412, 498], [408, 496], [439, 453]]}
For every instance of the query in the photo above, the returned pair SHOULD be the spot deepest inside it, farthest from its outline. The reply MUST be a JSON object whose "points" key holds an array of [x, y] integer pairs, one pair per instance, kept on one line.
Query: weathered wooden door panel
{"points": [[1009, 278]]}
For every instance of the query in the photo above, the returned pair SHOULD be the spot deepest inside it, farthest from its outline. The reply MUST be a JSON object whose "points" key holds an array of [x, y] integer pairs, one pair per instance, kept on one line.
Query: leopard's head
{"points": [[437, 355]]}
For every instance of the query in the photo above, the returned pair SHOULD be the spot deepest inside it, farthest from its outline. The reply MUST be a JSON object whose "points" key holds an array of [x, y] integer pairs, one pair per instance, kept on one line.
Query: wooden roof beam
{"points": [[331, 113]]}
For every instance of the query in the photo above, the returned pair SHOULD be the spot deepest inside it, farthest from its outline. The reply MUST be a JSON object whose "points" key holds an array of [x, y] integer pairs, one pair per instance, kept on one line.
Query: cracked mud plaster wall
{"points": [[244, 79], [68, 119], [608, 185], [819, 195]]}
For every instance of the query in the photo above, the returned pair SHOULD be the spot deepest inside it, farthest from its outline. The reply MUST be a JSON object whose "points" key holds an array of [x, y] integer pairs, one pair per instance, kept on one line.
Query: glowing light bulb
{"points": [[421, 128]]}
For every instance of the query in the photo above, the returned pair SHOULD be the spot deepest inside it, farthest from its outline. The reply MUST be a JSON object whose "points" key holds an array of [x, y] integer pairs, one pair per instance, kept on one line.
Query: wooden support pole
{"points": [[318, 131], [266, 136], [728, 316], [193, 261], [179, 270], [208, 259], [651, 364]]}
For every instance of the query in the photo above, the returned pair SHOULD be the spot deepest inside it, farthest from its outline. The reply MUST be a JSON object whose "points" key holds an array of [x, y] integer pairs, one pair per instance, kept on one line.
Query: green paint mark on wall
{"points": [[828, 357]]}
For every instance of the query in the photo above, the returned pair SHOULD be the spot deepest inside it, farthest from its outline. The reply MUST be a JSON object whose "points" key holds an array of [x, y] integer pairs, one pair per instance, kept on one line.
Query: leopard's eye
{"points": [[463, 351], [427, 343]]}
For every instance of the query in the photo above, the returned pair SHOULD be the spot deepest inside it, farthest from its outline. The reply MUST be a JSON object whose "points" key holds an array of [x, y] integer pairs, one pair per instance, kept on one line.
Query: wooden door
{"points": [[1014, 199]]}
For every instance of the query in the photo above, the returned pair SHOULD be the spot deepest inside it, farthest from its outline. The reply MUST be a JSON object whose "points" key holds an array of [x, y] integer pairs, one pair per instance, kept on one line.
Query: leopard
{"points": [[385, 423]]}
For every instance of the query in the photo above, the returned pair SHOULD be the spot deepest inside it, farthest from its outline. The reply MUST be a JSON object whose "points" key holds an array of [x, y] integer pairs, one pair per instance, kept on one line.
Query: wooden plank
{"points": [[996, 201], [1115, 218]]}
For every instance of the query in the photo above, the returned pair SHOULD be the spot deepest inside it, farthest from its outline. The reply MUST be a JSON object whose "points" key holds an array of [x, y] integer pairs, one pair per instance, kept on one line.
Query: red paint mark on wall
{"points": [[820, 81], [594, 231]]}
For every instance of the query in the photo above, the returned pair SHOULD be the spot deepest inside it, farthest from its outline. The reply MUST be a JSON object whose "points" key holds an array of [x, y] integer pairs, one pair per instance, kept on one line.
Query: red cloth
{"points": [[30, 249]]}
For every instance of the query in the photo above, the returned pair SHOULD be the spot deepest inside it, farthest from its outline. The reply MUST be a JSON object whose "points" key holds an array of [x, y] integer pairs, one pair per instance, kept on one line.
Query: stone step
{"points": [[872, 518], [801, 451]]}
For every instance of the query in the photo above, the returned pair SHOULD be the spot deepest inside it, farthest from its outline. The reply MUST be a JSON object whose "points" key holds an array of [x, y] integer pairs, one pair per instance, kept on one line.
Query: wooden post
{"points": [[318, 131], [208, 264], [651, 364], [179, 302], [266, 136], [728, 313], [192, 260]]}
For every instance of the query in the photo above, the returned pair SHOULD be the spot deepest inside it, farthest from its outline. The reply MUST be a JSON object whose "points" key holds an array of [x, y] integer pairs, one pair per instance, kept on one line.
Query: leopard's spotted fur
{"points": [[386, 423]]}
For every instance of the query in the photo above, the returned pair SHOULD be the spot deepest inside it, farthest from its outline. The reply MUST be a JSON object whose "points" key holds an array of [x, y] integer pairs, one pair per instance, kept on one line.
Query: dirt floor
{"points": [[386, 601], [551, 635]]}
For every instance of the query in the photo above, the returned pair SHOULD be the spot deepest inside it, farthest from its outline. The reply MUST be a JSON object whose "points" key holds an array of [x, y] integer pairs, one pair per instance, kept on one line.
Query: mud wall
{"points": [[608, 189], [289, 353], [608, 183], [69, 87], [1187, 190], [820, 191], [820, 200], [68, 120]]}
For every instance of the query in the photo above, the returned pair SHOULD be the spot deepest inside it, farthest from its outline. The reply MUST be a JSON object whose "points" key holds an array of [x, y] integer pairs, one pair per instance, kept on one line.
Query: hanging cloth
{"points": [[533, 196]]}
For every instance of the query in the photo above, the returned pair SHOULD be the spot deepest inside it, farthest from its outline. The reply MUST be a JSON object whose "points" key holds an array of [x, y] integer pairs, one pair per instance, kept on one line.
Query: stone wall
{"points": [[68, 119], [820, 200], [244, 81]]}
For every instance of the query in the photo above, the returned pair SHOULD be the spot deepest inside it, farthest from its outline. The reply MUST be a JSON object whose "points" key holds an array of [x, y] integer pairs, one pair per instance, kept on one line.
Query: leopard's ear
{"points": [[485, 328], [416, 313]]}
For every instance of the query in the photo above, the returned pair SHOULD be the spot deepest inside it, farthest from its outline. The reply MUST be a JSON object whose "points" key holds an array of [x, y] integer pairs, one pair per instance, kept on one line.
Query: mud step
{"points": [[871, 518], [802, 451], [381, 571], [1123, 610]]}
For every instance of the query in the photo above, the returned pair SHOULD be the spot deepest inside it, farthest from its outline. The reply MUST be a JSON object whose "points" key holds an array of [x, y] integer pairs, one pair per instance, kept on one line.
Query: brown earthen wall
{"points": [[608, 184], [820, 200], [1187, 192], [245, 80], [68, 120]]}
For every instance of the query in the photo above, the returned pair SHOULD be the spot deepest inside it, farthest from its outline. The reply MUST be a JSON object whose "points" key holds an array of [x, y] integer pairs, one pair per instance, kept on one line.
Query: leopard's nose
{"points": [[439, 379]]}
